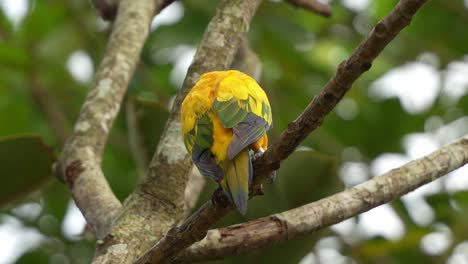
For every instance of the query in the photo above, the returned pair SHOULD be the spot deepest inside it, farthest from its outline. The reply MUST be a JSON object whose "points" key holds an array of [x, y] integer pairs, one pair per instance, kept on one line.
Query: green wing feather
{"points": [[201, 135], [199, 141], [247, 126], [204, 132], [229, 112]]}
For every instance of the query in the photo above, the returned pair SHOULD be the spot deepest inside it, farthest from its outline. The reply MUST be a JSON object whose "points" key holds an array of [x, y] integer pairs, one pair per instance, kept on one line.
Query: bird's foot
{"points": [[257, 154]]}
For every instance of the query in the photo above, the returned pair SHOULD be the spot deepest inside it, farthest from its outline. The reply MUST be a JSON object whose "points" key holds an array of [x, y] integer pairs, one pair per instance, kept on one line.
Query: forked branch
{"points": [[348, 71], [80, 164]]}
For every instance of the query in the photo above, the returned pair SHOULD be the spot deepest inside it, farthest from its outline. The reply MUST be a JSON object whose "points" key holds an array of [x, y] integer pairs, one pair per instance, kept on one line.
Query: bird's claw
{"points": [[257, 154]]}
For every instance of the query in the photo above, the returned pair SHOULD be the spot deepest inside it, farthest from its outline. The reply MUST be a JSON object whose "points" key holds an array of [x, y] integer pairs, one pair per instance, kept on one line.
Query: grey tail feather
{"points": [[240, 201]]}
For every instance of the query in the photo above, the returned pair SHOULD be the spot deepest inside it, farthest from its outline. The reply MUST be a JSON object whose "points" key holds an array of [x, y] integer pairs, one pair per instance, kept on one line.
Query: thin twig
{"points": [[313, 6], [80, 164], [265, 231], [50, 106], [135, 139], [348, 71]]}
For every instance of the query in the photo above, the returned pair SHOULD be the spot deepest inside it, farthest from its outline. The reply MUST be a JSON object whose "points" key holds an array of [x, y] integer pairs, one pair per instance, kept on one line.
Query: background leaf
{"points": [[26, 165], [368, 133]]}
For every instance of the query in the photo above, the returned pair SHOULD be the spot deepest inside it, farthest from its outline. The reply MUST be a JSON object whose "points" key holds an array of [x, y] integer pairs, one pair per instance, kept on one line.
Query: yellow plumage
{"points": [[224, 115]]}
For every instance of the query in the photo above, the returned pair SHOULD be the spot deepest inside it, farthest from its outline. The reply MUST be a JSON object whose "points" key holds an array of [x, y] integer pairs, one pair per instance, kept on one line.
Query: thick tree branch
{"points": [[313, 6], [265, 231], [158, 203], [197, 225], [80, 164], [171, 163], [347, 72], [195, 184]]}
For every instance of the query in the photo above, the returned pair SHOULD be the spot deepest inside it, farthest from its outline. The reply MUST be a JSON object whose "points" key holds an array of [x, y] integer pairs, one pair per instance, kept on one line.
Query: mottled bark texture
{"points": [[265, 231], [195, 184], [158, 203], [197, 225], [80, 164], [347, 72], [171, 164], [313, 6]]}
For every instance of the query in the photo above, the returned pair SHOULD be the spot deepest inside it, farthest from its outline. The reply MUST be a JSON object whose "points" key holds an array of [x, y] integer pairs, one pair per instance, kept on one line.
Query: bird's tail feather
{"points": [[237, 177]]}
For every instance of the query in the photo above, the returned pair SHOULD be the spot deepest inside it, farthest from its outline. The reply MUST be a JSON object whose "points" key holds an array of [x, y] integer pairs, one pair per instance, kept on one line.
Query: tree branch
{"points": [[135, 139], [81, 159], [50, 106], [216, 52], [158, 202], [348, 71], [382, 189], [195, 184], [108, 8], [313, 6]]}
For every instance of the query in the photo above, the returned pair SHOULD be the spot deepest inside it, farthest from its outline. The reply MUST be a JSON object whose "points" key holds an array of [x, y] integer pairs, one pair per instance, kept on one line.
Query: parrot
{"points": [[224, 116]]}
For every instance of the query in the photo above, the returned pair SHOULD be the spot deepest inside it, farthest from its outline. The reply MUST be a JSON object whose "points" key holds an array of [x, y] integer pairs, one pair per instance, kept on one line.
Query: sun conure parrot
{"points": [[224, 116]]}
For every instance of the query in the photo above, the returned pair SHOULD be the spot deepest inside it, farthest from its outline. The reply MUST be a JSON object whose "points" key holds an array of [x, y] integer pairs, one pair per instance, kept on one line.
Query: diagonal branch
{"points": [[268, 230], [80, 164], [313, 6], [348, 71], [171, 164]]}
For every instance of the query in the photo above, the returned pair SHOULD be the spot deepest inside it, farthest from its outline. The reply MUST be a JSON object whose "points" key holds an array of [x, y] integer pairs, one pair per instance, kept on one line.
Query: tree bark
{"points": [[308, 218]]}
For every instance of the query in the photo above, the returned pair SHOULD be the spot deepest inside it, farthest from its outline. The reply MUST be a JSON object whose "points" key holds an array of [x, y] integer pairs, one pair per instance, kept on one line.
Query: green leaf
{"points": [[26, 164]]}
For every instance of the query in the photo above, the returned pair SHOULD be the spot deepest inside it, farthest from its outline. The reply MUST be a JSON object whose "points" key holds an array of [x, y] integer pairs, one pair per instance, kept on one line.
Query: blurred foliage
{"points": [[299, 51], [28, 161]]}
